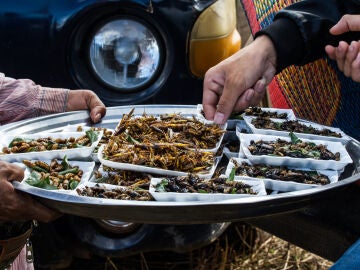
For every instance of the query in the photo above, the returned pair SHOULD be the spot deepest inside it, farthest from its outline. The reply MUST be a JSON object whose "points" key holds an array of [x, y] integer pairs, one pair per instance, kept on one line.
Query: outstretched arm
{"points": [[239, 81], [22, 98]]}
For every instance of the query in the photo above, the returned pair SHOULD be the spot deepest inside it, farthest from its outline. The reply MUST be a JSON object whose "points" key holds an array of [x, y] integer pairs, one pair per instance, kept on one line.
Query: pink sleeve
{"points": [[20, 262], [22, 98]]}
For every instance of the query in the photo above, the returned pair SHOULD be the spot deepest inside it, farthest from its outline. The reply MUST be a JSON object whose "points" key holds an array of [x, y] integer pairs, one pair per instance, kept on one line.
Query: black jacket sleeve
{"points": [[301, 31]]}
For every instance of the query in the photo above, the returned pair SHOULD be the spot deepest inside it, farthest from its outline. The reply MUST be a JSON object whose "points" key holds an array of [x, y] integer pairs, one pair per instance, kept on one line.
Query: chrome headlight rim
{"points": [[160, 44], [77, 63]]}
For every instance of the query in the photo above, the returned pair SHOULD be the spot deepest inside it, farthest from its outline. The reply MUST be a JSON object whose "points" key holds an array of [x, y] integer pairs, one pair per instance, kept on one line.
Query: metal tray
{"points": [[170, 212]]}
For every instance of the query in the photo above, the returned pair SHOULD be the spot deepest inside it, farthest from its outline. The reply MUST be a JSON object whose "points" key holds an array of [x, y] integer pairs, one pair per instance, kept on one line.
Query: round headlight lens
{"points": [[125, 54]]}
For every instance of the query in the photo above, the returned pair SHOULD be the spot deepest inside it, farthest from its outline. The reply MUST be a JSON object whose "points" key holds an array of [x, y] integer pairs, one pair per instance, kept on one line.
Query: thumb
{"points": [[225, 106], [347, 23], [97, 108]]}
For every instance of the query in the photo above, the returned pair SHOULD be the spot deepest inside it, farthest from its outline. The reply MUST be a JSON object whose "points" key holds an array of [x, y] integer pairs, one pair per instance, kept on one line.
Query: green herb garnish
{"points": [[232, 174], [294, 138], [92, 135], [35, 180], [161, 187]]}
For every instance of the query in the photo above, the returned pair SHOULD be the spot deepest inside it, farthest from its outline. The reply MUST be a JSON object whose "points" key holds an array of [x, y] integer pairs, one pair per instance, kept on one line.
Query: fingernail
{"points": [[260, 85], [249, 95], [219, 118], [97, 117]]}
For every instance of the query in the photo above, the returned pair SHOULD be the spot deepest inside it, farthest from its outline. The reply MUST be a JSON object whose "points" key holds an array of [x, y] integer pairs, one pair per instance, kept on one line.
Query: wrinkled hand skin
{"points": [[16, 205], [239, 81], [83, 99], [347, 56]]}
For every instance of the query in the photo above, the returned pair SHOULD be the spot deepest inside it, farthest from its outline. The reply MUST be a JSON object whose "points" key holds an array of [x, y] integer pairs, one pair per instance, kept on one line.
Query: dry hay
{"points": [[241, 247], [254, 249]]}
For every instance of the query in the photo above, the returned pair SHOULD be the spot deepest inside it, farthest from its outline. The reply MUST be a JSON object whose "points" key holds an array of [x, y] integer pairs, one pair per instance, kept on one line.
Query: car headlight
{"points": [[125, 54]]}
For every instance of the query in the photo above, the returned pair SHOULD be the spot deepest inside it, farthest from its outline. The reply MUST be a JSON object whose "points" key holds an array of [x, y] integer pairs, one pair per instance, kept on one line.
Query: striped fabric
{"points": [[20, 99], [317, 91]]}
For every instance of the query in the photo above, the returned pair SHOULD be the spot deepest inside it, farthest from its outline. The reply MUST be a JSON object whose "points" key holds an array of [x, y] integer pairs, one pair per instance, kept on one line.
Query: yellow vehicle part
{"points": [[214, 37]]}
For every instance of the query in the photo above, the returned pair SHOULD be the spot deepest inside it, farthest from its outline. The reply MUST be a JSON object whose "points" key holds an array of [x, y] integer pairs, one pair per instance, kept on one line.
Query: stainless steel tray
{"points": [[170, 212]]}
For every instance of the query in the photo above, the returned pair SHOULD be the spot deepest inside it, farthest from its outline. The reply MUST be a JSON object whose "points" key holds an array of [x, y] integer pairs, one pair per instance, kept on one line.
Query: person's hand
{"points": [[86, 100], [346, 56], [16, 205], [239, 81]]}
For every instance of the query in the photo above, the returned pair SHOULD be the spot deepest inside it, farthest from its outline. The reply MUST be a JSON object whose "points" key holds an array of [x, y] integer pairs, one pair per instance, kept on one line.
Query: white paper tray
{"points": [[344, 138], [278, 185], [296, 162], [230, 123], [74, 128], [257, 186], [86, 167], [289, 112], [229, 154], [108, 187], [232, 141], [234, 123], [104, 173], [218, 144], [74, 153], [202, 119], [151, 170]]}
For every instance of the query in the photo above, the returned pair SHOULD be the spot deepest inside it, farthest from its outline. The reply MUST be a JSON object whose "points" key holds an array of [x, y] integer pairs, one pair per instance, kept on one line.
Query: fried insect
{"points": [[37, 165], [56, 175], [292, 125], [258, 111], [107, 133], [280, 173], [296, 150], [20, 145], [168, 128], [194, 184], [122, 178], [165, 156], [120, 193], [167, 141]]}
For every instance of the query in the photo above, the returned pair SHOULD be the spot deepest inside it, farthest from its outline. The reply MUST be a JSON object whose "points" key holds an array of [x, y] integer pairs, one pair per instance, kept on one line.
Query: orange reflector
{"points": [[205, 53]]}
